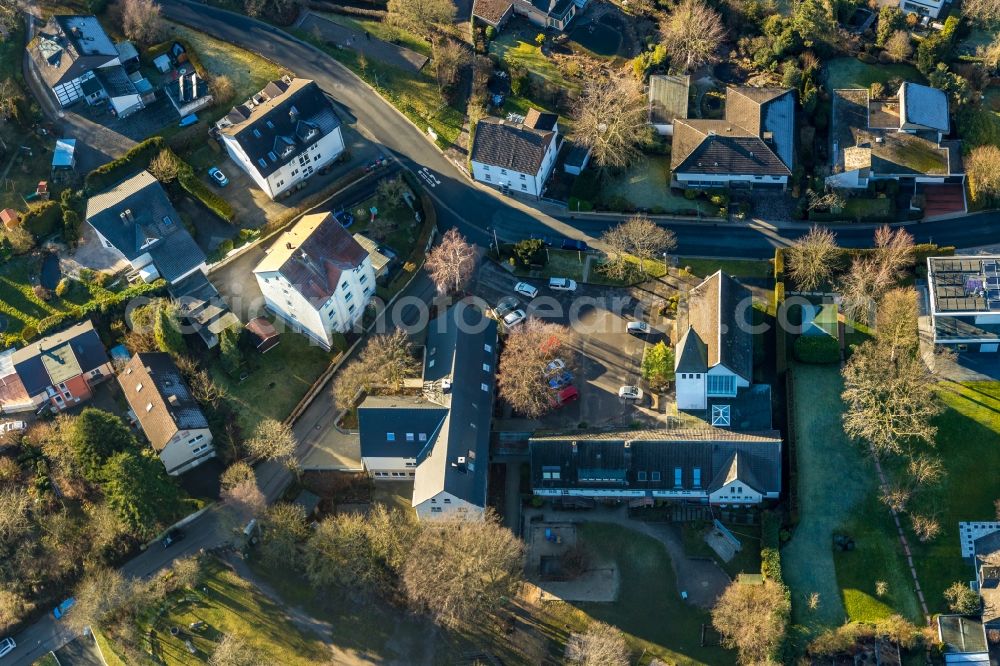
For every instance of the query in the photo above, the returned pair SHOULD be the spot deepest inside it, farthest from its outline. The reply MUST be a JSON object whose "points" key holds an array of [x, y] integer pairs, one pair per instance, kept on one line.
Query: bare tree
{"points": [[241, 503], [383, 366], [600, 645], [186, 572], [752, 620], [990, 54], [926, 470], [461, 571], [15, 504], [895, 497], [272, 440], [233, 650], [873, 274], [893, 254], [983, 12], [898, 46], [859, 289], [421, 16], [825, 200], [390, 191], [636, 238], [521, 372], [452, 262], [13, 607], [10, 96], [141, 21], [284, 529], [811, 259], [896, 320], [890, 399], [927, 528], [99, 596], [961, 598], [449, 58], [981, 167], [223, 90], [164, 166], [693, 34], [612, 121]]}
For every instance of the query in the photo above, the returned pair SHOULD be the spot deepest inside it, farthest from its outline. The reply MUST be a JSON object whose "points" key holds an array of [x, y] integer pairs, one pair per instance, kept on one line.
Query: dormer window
{"points": [[261, 162], [272, 156], [269, 124], [256, 132]]}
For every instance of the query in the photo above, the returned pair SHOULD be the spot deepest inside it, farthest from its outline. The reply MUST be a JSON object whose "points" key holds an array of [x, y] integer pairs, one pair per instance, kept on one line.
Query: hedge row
{"points": [[770, 540], [43, 219], [129, 164], [817, 349], [200, 191]]}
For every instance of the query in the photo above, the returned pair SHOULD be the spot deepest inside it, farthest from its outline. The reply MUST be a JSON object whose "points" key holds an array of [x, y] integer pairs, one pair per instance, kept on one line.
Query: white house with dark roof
{"points": [[441, 439], [317, 278], [77, 60], [516, 156], [167, 412], [136, 220], [709, 466], [556, 14], [965, 302], [754, 145], [283, 134], [714, 353]]}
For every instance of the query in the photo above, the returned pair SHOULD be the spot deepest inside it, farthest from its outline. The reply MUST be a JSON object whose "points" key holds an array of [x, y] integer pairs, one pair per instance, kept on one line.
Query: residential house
{"points": [[441, 439], [986, 562], [283, 134], [202, 308], [898, 138], [929, 9], [188, 93], [708, 466], [166, 411], [753, 146], [136, 220], [965, 302], [380, 262], [668, 101], [555, 14], [59, 371], [317, 278], [964, 640], [516, 156], [77, 60], [714, 352]]}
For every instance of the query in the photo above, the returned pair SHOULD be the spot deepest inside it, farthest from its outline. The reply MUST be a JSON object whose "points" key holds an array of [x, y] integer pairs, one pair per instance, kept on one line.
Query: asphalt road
{"points": [[476, 211]]}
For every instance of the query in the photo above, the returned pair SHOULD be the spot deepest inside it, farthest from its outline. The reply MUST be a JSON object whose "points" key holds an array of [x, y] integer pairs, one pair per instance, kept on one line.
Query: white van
{"points": [[7, 646]]}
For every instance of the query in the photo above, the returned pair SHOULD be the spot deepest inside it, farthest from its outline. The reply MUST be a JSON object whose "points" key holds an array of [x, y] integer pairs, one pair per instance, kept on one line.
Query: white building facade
{"points": [[516, 156]]}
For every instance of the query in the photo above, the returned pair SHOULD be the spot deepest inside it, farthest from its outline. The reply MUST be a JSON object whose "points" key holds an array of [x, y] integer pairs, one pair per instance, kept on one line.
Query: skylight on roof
{"points": [[721, 416]]}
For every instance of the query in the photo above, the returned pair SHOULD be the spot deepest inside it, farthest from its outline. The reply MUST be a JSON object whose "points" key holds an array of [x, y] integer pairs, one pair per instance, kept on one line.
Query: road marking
{"points": [[428, 177]]}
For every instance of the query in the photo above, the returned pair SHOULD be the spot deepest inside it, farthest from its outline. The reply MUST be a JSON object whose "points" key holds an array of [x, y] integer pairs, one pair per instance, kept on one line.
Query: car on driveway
{"points": [[7, 646], [555, 365], [526, 290], [637, 328], [579, 246], [630, 393], [12, 426], [506, 305], [512, 319], [59, 611], [562, 284], [560, 381], [565, 396], [218, 177], [172, 537]]}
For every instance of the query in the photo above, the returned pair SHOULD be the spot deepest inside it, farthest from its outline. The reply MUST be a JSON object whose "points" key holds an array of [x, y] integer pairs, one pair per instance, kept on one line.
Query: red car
{"points": [[567, 395]]}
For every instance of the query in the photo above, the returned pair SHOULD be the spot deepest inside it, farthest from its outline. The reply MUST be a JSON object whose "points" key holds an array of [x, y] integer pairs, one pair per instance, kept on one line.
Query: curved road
{"points": [[477, 211]]}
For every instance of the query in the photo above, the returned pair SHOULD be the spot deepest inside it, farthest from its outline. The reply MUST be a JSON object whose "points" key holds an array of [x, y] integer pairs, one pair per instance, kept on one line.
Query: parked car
{"points": [[565, 396], [562, 284], [506, 305], [525, 290], [555, 365], [7, 646], [218, 177], [630, 393], [59, 611], [578, 245], [13, 426], [512, 319], [172, 537], [637, 328], [563, 379]]}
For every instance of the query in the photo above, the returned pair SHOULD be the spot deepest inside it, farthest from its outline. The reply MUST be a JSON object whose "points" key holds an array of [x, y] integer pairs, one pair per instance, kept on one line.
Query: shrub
{"points": [[770, 540], [491, 33], [29, 333], [338, 341], [779, 264], [691, 194], [200, 191], [129, 164], [530, 251], [42, 219], [63, 287], [818, 349]]}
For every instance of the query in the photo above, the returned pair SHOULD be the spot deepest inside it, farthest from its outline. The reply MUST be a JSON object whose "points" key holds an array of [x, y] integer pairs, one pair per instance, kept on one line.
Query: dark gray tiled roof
{"points": [[378, 416], [510, 146], [115, 81], [691, 353], [749, 410], [294, 116], [153, 217], [719, 312], [923, 105], [81, 341], [164, 404], [668, 97], [613, 460], [61, 56]]}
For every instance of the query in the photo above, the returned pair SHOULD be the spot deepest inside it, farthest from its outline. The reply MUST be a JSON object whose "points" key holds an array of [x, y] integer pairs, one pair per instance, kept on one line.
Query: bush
{"points": [[42, 219], [63, 287], [818, 349], [770, 540], [691, 194], [70, 225], [578, 205], [530, 251], [129, 164], [338, 342], [779, 264], [200, 191]]}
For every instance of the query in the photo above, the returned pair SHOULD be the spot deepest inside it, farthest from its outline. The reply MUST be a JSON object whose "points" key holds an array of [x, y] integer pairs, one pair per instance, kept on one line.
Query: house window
{"points": [[487, 177], [348, 297], [149, 406], [641, 476], [721, 385], [409, 436], [503, 172], [351, 308], [523, 176], [410, 463], [363, 278], [138, 387], [435, 509], [550, 472], [721, 416], [447, 500], [678, 477], [488, 349], [199, 449], [485, 387], [422, 437], [655, 476], [344, 285], [486, 167], [696, 472], [523, 186], [390, 437], [486, 367], [195, 439]]}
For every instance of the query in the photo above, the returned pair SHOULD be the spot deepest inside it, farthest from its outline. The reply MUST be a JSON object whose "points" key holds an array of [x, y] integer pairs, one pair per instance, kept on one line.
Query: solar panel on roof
{"points": [[993, 294], [995, 306], [991, 267], [992, 282]]}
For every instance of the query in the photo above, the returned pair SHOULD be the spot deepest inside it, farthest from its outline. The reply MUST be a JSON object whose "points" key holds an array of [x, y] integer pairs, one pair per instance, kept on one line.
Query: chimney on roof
{"points": [[445, 386], [128, 214], [288, 246], [768, 137], [173, 400]]}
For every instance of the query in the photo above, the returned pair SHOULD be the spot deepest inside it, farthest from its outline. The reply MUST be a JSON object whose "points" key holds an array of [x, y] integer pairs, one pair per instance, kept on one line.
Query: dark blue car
{"points": [[580, 246], [561, 380]]}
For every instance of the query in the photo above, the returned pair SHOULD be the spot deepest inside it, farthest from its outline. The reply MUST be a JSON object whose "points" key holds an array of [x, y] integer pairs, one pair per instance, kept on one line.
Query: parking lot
{"points": [[602, 355]]}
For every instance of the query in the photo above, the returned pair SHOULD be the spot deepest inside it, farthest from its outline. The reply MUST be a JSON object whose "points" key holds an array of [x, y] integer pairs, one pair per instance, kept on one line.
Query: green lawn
{"points": [[647, 185], [46, 660], [978, 125], [518, 47], [747, 560], [837, 486], [656, 622], [968, 442], [561, 263], [405, 229], [414, 94], [277, 381], [852, 73], [228, 604], [382, 30], [741, 268]]}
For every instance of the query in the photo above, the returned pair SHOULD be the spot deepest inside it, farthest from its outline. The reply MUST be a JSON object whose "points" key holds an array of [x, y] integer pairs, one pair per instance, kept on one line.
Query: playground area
{"points": [[563, 569]]}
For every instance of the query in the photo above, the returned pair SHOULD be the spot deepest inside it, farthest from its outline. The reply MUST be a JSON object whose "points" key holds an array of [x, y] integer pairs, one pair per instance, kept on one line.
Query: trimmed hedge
{"points": [[770, 540], [817, 349], [779, 264], [127, 165], [43, 219], [200, 191]]}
